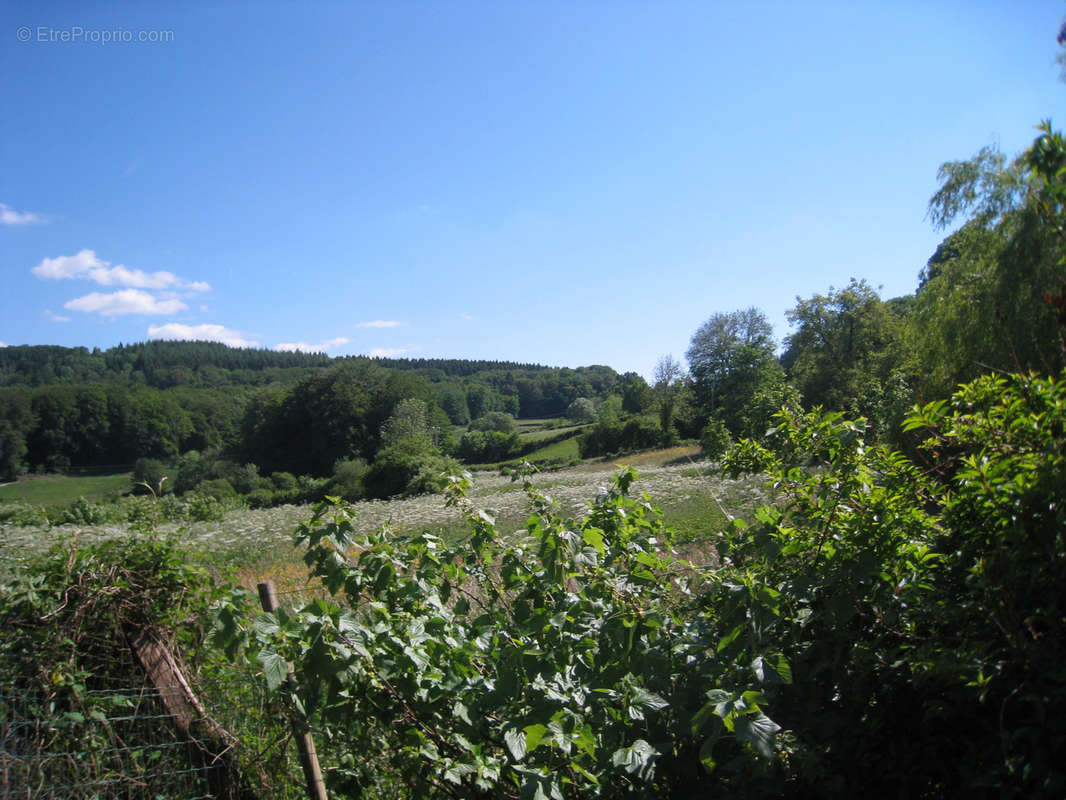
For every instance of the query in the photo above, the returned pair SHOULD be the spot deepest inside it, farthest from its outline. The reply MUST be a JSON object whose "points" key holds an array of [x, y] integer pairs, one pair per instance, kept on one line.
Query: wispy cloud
{"points": [[55, 317], [9, 216], [126, 301], [387, 352], [304, 347], [201, 333], [467, 317], [86, 265], [380, 323]]}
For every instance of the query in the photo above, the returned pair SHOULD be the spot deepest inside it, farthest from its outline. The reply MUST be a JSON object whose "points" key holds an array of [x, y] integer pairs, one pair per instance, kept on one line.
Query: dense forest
{"points": [[71, 407]]}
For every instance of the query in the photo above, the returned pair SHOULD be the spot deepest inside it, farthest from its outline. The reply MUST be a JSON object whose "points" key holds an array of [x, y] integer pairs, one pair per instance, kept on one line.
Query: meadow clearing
{"points": [[257, 544]]}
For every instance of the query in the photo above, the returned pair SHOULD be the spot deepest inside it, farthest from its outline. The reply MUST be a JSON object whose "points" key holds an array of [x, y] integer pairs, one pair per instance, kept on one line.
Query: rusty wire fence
{"points": [[123, 743]]}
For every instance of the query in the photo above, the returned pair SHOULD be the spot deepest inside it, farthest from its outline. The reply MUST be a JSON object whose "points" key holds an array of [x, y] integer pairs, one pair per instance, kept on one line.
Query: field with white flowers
{"points": [[694, 499]]}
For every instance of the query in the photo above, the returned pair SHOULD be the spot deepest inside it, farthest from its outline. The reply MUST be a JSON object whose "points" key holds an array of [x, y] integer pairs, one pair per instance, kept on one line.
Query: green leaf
{"points": [[637, 759], [266, 624], [772, 669], [648, 700], [730, 637], [460, 711], [275, 668], [516, 742], [534, 735], [594, 538], [701, 717], [757, 730], [706, 755]]}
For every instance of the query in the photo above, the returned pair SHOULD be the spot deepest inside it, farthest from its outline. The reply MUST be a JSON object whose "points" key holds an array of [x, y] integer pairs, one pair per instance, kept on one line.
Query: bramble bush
{"points": [[888, 625], [577, 661]]}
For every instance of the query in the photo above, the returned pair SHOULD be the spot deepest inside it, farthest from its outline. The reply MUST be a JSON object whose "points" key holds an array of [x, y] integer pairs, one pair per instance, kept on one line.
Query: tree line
{"points": [[990, 299], [71, 407]]}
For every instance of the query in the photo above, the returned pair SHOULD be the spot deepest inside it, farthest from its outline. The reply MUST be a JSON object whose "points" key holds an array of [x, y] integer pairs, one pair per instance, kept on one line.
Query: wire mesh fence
{"points": [[102, 744], [106, 744]]}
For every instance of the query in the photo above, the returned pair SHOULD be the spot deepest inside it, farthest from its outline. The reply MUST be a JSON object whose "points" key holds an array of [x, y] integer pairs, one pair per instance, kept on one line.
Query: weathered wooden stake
{"points": [[316, 786], [210, 745]]}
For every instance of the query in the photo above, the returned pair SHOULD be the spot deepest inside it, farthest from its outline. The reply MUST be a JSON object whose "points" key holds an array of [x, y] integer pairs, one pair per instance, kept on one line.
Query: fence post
{"points": [[316, 787]]}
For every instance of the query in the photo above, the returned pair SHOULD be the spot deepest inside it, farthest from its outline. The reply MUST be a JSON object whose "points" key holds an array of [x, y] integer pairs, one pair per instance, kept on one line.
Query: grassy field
{"points": [[540, 434], [564, 451], [257, 544], [54, 489]]}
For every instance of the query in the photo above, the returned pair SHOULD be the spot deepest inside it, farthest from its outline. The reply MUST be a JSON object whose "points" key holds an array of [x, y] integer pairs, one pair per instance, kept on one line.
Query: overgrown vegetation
{"points": [[888, 623]]}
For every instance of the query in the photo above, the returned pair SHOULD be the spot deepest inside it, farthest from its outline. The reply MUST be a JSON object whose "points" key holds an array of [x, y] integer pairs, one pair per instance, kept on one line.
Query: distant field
{"points": [[564, 451], [538, 435], [532, 424], [51, 489]]}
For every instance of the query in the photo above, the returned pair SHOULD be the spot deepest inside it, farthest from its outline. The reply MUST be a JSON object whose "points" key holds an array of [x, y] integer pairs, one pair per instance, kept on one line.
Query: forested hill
{"points": [[460, 367], [160, 364], [73, 407], [165, 364]]}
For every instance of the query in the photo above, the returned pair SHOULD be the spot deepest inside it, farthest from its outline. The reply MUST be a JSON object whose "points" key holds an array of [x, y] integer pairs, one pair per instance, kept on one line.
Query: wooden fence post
{"points": [[210, 745], [316, 787]]}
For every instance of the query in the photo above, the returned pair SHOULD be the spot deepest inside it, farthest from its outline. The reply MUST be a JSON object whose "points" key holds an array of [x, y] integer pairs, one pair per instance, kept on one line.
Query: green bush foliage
{"points": [[922, 602], [888, 625], [494, 421], [611, 436], [482, 447], [408, 469], [714, 439], [577, 662], [347, 482]]}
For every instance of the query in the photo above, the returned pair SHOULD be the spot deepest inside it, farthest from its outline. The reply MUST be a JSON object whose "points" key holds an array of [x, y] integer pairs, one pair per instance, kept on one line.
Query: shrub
{"points": [[261, 498], [488, 446], [582, 410], [204, 507], [155, 474], [24, 515], [173, 509], [218, 488], [610, 436], [577, 661], [244, 479], [494, 421], [347, 481], [81, 512], [714, 440], [407, 470]]}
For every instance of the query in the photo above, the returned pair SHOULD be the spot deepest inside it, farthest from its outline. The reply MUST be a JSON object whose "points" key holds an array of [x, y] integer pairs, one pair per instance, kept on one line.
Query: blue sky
{"points": [[566, 183]]}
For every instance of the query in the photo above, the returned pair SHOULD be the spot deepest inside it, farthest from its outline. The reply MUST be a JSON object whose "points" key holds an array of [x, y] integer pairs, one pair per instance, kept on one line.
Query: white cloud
{"points": [[304, 347], [68, 266], [9, 216], [3, 344], [55, 317], [380, 323], [85, 264], [122, 276], [127, 301], [387, 352], [466, 316], [200, 333]]}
